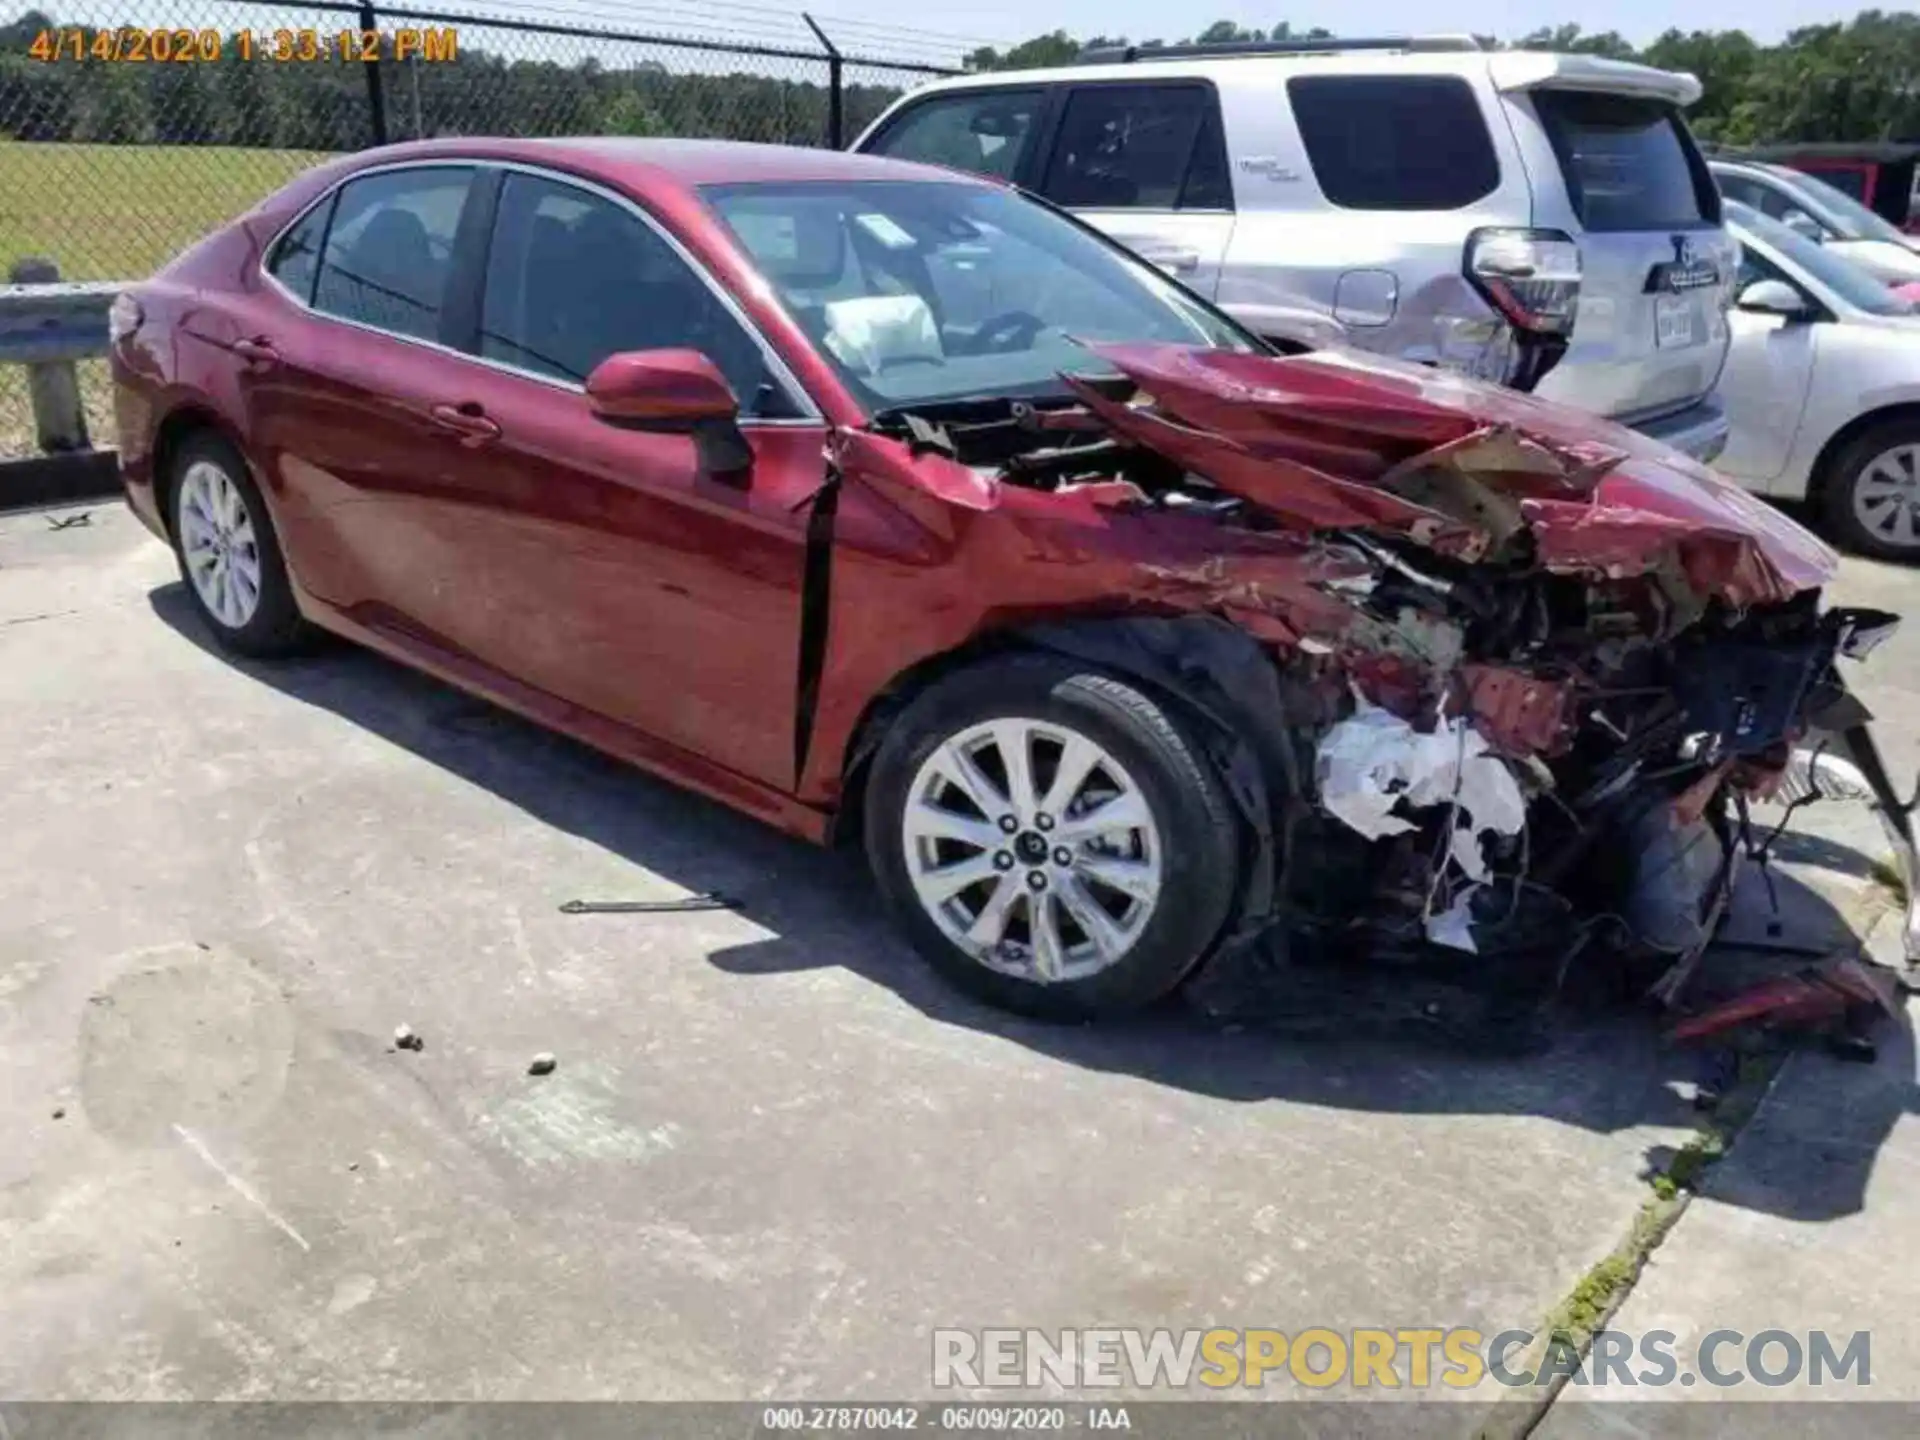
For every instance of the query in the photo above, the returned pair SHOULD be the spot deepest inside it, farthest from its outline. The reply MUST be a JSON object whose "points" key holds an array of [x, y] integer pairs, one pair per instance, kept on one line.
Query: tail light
{"points": [[123, 317], [1532, 277]]}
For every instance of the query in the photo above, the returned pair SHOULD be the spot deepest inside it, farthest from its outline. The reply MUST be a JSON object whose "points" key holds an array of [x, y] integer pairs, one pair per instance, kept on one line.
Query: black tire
{"points": [[1197, 829], [276, 626], [1837, 495]]}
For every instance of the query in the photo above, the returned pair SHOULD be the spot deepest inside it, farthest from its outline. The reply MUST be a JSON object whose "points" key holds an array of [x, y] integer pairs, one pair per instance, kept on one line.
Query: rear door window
{"points": [[1380, 142], [1139, 147], [296, 258], [987, 132], [390, 250], [1628, 161], [1768, 199]]}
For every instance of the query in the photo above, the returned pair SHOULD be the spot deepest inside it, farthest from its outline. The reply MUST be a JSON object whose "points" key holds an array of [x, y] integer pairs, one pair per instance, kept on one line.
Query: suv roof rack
{"points": [[1413, 44]]}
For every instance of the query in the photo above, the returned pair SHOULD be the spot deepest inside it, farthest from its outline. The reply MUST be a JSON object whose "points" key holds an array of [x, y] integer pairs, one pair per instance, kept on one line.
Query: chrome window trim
{"points": [[776, 363]]}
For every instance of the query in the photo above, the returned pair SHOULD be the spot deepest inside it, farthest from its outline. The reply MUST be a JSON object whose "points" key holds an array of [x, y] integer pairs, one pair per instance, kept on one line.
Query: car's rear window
{"points": [[1628, 161], [1393, 142]]}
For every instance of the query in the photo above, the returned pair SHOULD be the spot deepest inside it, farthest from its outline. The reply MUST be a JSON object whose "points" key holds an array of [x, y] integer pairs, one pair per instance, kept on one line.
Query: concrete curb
{"points": [[59, 479]]}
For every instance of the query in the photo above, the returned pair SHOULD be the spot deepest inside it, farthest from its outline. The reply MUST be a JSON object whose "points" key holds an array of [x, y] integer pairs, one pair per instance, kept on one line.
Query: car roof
{"points": [[682, 164], [1757, 167], [1880, 152]]}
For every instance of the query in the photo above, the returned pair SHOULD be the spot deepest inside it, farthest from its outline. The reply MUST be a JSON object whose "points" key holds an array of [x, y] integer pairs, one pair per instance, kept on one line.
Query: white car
{"points": [[1541, 219], [1822, 386], [1811, 207]]}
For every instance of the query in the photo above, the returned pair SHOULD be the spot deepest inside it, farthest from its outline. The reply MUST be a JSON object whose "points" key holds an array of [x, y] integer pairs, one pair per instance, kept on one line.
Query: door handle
{"points": [[467, 420], [1177, 259], [257, 350]]}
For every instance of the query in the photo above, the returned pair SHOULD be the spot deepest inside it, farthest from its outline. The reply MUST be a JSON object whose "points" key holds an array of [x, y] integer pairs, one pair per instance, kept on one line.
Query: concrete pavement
{"points": [[775, 1153], [1809, 1222]]}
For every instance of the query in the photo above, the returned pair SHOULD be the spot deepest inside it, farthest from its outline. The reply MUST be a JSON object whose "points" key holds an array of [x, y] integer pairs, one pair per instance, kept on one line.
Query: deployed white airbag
{"points": [[1373, 762], [873, 332]]}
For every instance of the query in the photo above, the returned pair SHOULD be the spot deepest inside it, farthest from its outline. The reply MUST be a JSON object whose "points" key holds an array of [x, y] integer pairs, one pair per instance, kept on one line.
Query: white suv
{"points": [[1540, 219]]}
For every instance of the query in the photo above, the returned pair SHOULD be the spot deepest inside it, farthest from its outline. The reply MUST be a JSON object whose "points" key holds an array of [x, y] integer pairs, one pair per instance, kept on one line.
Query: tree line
{"points": [[324, 105], [1854, 81]]}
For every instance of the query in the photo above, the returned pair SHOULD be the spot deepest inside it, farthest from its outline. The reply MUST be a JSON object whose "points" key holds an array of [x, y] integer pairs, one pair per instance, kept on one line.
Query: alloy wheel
{"points": [[1032, 849], [217, 538]]}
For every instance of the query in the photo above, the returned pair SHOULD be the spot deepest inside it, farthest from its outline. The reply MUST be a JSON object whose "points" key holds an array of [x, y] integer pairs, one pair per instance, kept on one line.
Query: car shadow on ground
{"points": [[1605, 1070]]}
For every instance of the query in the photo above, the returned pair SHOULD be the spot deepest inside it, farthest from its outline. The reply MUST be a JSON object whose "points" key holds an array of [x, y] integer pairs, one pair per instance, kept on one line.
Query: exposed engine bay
{"points": [[1526, 677]]}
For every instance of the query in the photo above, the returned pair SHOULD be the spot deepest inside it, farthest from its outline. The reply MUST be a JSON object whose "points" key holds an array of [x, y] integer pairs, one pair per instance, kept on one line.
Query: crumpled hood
{"points": [[1338, 440]]}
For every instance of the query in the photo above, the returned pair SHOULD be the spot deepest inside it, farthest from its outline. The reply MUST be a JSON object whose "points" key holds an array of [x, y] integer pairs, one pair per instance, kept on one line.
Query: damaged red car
{"points": [[886, 503]]}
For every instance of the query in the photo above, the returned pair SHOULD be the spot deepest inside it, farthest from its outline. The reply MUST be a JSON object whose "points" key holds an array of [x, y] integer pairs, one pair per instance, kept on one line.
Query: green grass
{"points": [[1571, 1325], [1887, 876], [117, 212], [16, 411]]}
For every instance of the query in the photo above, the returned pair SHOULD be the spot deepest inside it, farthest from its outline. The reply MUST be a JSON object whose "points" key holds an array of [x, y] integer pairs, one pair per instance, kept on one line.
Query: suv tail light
{"points": [[123, 317], [1532, 277]]}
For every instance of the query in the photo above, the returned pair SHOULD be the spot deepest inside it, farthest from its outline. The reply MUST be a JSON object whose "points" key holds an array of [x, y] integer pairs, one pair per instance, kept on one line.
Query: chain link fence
{"points": [[121, 144]]}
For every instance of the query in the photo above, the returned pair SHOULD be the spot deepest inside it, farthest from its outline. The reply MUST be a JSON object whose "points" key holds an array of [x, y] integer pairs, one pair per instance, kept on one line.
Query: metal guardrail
{"points": [[46, 325], [66, 320]]}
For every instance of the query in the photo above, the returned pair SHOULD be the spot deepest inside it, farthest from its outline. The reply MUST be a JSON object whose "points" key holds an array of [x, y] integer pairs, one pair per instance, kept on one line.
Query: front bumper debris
{"points": [[1492, 685], [1841, 993], [1847, 766]]}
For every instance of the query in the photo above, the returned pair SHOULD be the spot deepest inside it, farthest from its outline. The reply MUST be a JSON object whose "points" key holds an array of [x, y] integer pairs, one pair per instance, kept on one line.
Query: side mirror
{"points": [[1805, 226], [1775, 297], [659, 389], [674, 392]]}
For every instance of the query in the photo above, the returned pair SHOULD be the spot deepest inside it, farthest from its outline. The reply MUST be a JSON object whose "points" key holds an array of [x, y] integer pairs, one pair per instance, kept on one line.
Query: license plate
{"points": [[1672, 321]]}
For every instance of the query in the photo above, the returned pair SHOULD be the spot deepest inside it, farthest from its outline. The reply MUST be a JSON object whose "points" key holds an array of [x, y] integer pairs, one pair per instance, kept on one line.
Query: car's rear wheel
{"points": [[1050, 838], [1872, 501], [229, 555]]}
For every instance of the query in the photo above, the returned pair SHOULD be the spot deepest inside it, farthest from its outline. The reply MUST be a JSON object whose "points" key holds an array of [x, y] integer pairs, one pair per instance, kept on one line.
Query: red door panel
{"points": [[341, 422], [601, 566]]}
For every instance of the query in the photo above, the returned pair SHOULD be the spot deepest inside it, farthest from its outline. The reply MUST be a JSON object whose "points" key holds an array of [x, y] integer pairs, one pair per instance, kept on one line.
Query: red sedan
{"points": [[884, 502]]}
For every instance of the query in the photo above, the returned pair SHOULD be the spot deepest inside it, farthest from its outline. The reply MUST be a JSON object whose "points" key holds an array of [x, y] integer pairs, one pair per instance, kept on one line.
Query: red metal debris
{"points": [[1519, 713], [1808, 999], [1625, 506], [1293, 490], [1315, 444]]}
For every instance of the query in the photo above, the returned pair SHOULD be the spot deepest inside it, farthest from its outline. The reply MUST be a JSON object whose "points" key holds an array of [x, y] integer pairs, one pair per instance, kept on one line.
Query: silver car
{"points": [[1812, 208], [1540, 219], [1824, 388]]}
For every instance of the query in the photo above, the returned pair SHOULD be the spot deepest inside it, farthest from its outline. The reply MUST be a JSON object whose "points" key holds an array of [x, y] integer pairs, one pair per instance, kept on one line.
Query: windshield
{"points": [[1846, 279], [924, 291], [1855, 221]]}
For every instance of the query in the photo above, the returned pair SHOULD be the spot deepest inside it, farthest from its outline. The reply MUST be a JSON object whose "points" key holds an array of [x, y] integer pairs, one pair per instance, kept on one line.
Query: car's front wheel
{"points": [[1050, 838], [229, 555], [1872, 500]]}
